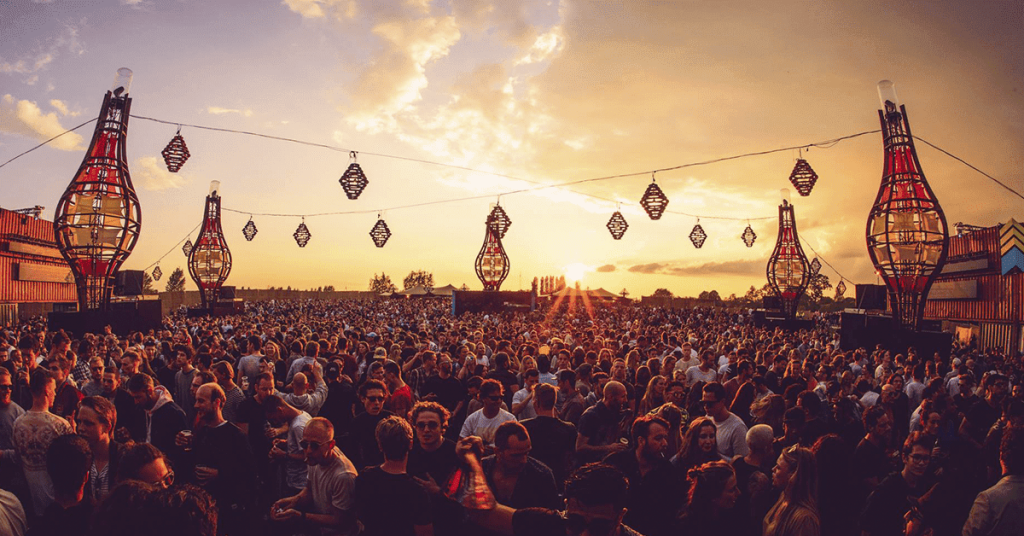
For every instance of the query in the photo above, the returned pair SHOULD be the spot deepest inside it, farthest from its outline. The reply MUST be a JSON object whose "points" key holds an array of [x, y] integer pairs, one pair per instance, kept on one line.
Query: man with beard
{"points": [[164, 418], [518, 481], [327, 501], [653, 498], [598, 432], [222, 459]]}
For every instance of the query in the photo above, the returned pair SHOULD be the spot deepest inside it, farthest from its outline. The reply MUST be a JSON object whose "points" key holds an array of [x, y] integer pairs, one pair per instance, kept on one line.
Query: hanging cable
{"points": [[47, 141]]}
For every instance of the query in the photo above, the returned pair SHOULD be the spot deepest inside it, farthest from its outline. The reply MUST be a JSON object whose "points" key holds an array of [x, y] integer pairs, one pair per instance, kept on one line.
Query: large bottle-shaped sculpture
{"points": [[98, 219], [788, 269], [209, 262], [492, 266], [907, 235]]}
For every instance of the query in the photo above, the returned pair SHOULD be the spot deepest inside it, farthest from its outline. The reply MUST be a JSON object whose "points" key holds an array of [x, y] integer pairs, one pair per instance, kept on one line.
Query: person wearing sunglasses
{"points": [[595, 503], [327, 501], [372, 393], [9, 412]]}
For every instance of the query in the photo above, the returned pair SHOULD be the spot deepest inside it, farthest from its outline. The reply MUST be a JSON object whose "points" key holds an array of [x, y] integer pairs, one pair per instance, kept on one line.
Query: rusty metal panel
{"points": [[12, 223]]}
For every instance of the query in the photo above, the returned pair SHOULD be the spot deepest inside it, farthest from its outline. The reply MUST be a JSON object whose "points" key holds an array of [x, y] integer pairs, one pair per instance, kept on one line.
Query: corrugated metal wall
{"points": [[8, 314], [20, 228]]}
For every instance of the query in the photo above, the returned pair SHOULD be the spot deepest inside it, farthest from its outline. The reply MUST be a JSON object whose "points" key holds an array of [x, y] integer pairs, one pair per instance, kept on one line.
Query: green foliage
{"points": [[662, 293], [176, 281], [418, 278], [381, 284]]}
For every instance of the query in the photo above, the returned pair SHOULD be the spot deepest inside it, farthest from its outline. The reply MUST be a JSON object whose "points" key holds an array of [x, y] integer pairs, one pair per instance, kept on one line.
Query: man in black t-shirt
{"points": [[447, 390], [508, 380], [389, 501], [432, 462], [366, 451], [555, 439]]}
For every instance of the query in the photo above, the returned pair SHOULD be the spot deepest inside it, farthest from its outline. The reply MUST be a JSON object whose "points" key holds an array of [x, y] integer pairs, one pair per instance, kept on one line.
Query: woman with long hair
{"points": [[712, 495], [675, 418], [654, 396], [796, 511], [642, 379], [699, 446]]}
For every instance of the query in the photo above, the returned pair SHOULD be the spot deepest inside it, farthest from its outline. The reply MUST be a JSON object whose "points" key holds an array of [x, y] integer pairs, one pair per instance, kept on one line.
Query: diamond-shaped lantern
{"points": [[815, 266], [749, 236], [654, 201], [698, 236], [803, 177], [617, 225], [840, 289], [499, 220], [250, 230], [176, 153], [380, 233], [157, 273], [302, 234], [187, 248], [353, 181]]}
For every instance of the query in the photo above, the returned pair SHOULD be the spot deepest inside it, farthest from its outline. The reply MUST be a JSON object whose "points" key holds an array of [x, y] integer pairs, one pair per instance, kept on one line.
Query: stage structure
{"points": [[907, 234], [209, 262], [788, 271], [492, 263], [98, 219]]}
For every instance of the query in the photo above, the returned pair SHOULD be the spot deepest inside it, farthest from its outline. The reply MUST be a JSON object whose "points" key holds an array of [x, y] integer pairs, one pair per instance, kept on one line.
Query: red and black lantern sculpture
{"points": [[907, 235], [788, 270], [98, 219], [492, 264], [210, 260], [176, 153]]}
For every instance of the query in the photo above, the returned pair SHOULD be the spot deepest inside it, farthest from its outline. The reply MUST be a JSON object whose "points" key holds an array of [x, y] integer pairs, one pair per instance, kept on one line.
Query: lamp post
{"points": [[209, 262], [98, 218], [907, 234], [788, 270]]}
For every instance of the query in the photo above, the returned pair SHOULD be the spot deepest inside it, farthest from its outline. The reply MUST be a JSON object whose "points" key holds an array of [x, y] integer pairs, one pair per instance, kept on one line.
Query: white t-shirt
{"points": [[685, 365], [479, 425], [732, 437], [694, 375], [527, 412]]}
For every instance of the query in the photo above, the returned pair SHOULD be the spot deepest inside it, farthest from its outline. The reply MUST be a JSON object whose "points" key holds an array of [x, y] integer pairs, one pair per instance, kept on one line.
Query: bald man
{"points": [[301, 398], [328, 500], [222, 459], [599, 430]]}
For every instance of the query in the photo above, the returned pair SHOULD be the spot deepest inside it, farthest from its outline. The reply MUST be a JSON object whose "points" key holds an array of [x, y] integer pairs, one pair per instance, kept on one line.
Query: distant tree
{"points": [[662, 293], [713, 296], [816, 289], [418, 278], [176, 281], [732, 298], [147, 284], [329, 288], [381, 284], [704, 296]]}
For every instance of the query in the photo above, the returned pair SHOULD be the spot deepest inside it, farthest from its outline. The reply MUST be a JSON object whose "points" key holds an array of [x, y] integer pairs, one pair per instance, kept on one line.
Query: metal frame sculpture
{"points": [[788, 270], [98, 218], [380, 232], [302, 234], [749, 236], [654, 200], [492, 263], [803, 177], [907, 234], [210, 260], [501, 220]]}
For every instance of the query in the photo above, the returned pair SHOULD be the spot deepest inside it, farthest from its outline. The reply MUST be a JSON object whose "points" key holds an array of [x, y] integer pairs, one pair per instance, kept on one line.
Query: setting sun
{"points": [[575, 272]]}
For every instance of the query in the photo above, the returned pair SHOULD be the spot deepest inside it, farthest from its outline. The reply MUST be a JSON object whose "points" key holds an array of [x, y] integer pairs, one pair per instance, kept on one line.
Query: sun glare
{"points": [[575, 272]]}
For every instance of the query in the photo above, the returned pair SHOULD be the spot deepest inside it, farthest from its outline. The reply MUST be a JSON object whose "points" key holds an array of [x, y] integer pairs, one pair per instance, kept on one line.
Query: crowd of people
{"points": [[393, 417]]}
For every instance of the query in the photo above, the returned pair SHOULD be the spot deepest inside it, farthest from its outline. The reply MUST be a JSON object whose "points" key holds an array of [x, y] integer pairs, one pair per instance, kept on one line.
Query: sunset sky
{"points": [[543, 91]]}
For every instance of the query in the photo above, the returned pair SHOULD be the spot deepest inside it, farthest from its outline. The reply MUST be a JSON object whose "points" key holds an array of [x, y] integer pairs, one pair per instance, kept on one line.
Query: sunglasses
{"points": [[709, 402], [493, 397], [166, 482], [428, 425], [313, 445], [577, 524], [375, 398]]}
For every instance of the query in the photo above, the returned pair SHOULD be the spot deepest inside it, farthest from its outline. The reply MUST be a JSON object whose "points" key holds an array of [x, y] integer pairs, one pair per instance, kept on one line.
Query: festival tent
{"points": [[444, 291]]}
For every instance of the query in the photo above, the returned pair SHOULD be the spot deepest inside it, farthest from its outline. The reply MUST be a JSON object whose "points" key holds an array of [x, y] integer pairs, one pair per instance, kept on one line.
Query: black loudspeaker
{"points": [[128, 283], [772, 303], [123, 318], [227, 293], [871, 297]]}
